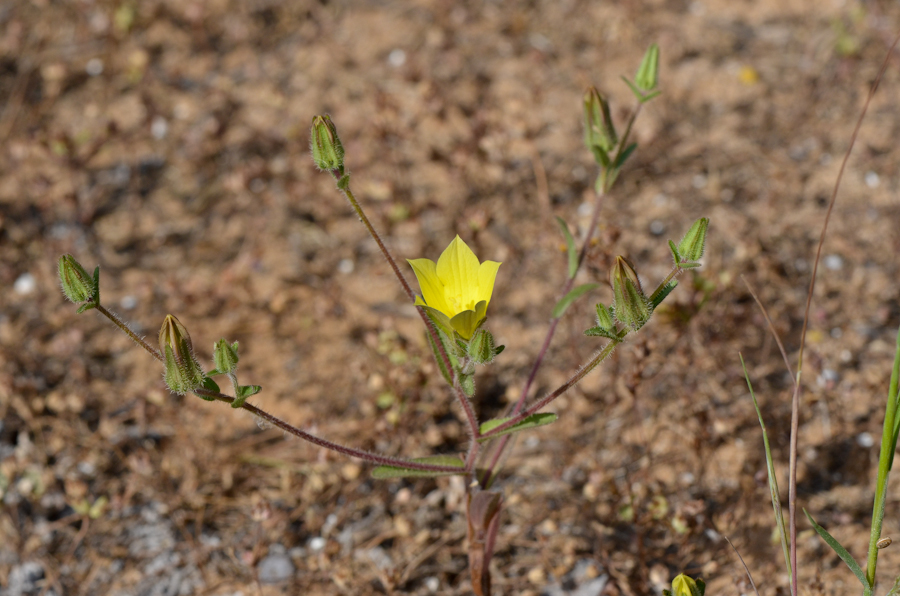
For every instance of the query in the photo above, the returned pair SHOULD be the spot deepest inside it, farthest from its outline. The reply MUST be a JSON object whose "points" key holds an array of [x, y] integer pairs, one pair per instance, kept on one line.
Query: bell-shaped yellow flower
{"points": [[457, 289]]}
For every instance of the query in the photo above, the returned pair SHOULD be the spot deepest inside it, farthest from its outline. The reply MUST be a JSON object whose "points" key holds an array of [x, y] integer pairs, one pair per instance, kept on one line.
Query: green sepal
{"points": [[661, 293], [344, 182], [675, 256], [481, 347], [498, 349], [570, 247], [689, 265], [84, 307], [640, 95], [571, 297], [442, 365], [600, 156], [383, 472], [97, 284], [243, 392], [599, 331], [842, 552], [533, 421], [467, 382]]}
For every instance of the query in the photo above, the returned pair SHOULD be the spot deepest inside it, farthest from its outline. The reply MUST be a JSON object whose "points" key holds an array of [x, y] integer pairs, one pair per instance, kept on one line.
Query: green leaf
{"points": [[571, 297], [97, 285], [210, 385], [845, 556], [243, 392], [650, 96], [660, 294], [382, 472], [442, 365], [624, 155], [675, 254], [599, 331], [773, 478], [637, 92], [533, 421], [570, 247], [689, 265], [85, 306]]}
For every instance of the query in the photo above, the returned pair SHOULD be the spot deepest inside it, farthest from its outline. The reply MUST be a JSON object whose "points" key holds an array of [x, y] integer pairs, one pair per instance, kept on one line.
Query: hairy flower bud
{"points": [[183, 372], [325, 145], [77, 285], [599, 131], [648, 72], [225, 356], [631, 305], [691, 247]]}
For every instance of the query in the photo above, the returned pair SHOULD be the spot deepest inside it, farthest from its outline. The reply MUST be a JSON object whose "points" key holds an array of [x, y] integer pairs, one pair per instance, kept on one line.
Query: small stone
{"points": [[537, 576], [316, 544], [275, 568], [24, 284]]}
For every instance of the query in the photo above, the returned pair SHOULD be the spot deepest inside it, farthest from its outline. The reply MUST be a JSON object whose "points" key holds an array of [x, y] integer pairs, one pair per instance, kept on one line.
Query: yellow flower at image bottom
{"points": [[457, 289]]}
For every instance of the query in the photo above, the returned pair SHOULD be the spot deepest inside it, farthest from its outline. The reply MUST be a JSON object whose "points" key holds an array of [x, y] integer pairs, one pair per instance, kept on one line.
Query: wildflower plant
{"points": [[455, 294]]}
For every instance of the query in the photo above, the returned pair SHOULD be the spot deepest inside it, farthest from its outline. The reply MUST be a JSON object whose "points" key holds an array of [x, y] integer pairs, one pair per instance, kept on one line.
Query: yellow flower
{"points": [[457, 290]]}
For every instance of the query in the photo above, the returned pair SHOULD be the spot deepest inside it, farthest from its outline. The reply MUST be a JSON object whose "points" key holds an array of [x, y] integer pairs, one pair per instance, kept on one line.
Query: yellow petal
{"points": [[432, 287], [457, 268], [465, 323], [487, 274]]}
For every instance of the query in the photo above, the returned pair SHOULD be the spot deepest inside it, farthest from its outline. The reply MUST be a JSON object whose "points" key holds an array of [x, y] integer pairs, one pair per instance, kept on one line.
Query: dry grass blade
{"points": [[747, 569]]}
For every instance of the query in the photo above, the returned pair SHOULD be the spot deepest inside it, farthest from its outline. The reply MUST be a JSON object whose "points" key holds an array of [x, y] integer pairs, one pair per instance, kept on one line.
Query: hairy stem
{"points": [[121, 325]]}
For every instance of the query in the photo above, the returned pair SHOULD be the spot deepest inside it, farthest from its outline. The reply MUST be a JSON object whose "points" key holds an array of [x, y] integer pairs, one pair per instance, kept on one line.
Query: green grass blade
{"points": [[773, 479], [894, 394], [842, 552]]}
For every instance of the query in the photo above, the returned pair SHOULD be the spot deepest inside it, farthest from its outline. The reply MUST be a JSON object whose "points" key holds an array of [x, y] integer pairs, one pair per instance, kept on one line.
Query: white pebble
{"points": [[432, 584], [872, 180], [159, 127], [834, 262], [865, 440], [397, 58], [316, 544], [657, 227], [128, 302], [699, 181], [345, 266], [94, 67], [25, 284]]}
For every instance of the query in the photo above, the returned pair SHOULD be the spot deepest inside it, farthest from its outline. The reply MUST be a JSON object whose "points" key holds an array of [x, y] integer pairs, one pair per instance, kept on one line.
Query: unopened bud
{"points": [[325, 145], [599, 130], [183, 372], [77, 285], [632, 306], [481, 348], [691, 247], [225, 356], [648, 72]]}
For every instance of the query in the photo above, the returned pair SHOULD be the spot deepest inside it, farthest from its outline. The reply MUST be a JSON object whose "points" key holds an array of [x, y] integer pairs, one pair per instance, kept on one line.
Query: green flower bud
{"points": [[77, 285], [632, 307], [183, 372], [481, 348], [599, 131], [604, 317], [691, 247], [648, 72], [225, 356], [325, 145]]}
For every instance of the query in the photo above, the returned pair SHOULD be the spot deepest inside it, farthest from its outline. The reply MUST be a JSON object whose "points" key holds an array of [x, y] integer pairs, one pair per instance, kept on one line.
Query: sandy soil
{"points": [[167, 142]]}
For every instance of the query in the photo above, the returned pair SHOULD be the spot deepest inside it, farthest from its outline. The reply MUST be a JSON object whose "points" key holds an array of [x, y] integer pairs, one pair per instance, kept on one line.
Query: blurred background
{"points": [[167, 142]]}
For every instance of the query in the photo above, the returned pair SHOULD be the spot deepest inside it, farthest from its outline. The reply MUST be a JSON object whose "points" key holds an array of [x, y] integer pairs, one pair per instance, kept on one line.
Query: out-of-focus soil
{"points": [[167, 142]]}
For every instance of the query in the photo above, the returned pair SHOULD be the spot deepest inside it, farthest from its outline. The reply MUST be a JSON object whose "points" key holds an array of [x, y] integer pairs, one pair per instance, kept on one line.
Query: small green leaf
{"points": [[84, 307], [243, 392], [845, 556], [624, 155], [570, 247], [210, 385], [97, 284], [533, 421], [382, 472], [602, 332], [442, 365], [660, 294], [571, 297], [675, 256]]}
